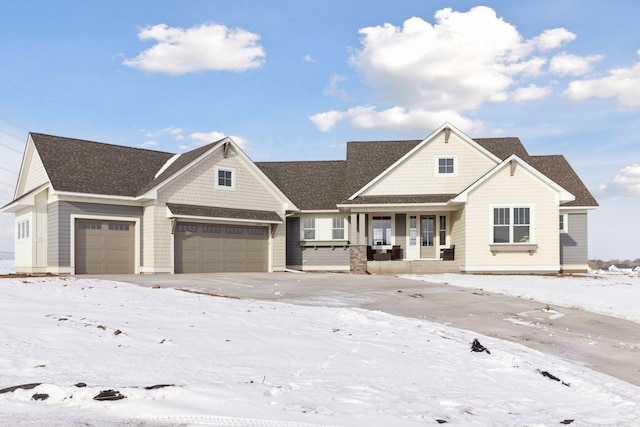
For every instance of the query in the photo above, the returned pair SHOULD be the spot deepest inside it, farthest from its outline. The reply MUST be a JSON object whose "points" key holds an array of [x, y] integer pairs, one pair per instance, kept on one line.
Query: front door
{"points": [[427, 236]]}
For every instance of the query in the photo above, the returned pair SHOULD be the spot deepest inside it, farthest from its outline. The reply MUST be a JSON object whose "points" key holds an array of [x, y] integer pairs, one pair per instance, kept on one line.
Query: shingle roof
{"points": [[309, 185], [503, 147], [216, 212], [368, 159], [81, 166], [558, 169], [401, 199], [183, 160]]}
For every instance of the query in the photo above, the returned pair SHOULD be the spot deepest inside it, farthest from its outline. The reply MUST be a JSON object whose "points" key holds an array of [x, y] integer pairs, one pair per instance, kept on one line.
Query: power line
{"points": [[12, 123], [8, 170], [11, 148]]}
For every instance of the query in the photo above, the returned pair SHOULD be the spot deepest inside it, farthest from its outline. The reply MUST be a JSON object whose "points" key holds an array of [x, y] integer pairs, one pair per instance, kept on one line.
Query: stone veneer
{"points": [[358, 259]]}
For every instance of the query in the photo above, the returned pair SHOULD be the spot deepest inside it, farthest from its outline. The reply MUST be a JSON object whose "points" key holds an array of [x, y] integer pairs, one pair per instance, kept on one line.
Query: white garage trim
{"points": [[72, 227]]}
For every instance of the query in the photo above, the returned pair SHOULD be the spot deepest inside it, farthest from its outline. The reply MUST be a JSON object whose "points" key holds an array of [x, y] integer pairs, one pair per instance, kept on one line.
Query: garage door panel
{"points": [[104, 247], [219, 248]]}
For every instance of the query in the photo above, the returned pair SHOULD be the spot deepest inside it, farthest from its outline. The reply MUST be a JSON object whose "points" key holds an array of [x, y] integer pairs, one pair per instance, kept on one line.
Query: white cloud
{"points": [[309, 58], [553, 38], [530, 92], [625, 183], [455, 65], [567, 64], [621, 83], [327, 120], [334, 87], [148, 144], [202, 138], [204, 47]]}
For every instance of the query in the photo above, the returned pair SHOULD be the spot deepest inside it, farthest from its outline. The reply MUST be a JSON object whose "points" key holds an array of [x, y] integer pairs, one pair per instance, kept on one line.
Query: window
{"points": [[23, 229], [211, 228], [119, 227], [187, 227], [225, 178], [90, 225], [381, 227], [256, 231], [413, 231], [521, 225], [338, 229], [507, 231], [235, 230], [563, 223], [445, 165], [443, 230], [309, 228]]}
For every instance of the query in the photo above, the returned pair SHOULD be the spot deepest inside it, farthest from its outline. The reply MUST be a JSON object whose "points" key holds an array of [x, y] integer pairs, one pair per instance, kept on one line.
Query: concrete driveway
{"points": [[572, 336]]}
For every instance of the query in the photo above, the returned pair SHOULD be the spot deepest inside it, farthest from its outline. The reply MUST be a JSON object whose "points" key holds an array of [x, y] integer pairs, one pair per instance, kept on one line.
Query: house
{"points": [[485, 205], [88, 207]]}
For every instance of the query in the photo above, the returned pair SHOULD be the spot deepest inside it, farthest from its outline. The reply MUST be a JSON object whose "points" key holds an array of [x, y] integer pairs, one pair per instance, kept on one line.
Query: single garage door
{"points": [[217, 248], [104, 247]]}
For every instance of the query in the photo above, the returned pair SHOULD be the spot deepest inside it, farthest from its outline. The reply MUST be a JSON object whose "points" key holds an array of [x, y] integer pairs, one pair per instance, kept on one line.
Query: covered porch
{"points": [[403, 234]]}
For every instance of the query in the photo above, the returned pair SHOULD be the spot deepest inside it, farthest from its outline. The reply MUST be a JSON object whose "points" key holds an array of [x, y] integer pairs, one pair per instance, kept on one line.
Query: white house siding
{"points": [[148, 238], [36, 174], [504, 190], [417, 174], [197, 186], [458, 224]]}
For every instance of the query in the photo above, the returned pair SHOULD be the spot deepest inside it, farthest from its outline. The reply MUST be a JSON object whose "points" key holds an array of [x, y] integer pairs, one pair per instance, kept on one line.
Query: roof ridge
{"points": [[99, 142]]}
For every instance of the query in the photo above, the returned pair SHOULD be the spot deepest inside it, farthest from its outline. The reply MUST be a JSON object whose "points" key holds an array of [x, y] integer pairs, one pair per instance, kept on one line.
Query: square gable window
{"points": [[225, 178], [446, 166]]}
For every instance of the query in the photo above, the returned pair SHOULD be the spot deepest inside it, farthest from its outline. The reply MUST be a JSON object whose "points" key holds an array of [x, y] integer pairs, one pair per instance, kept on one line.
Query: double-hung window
{"points": [[309, 228], [338, 229], [512, 225]]}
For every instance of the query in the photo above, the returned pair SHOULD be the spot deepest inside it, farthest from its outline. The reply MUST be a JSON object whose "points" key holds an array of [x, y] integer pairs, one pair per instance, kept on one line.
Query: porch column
{"points": [[358, 246]]}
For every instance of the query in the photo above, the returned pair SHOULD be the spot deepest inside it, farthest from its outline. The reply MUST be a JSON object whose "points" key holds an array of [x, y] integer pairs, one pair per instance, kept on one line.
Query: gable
{"points": [[197, 184], [32, 172], [418, 173], [516, 176]]}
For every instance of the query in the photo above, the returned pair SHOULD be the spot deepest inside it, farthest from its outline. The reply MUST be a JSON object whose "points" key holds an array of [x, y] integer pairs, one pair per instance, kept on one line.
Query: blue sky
{"points": [[295, 80]]}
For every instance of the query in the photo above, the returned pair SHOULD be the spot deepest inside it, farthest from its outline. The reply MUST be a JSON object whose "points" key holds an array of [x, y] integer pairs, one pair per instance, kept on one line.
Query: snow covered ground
{"points": [[231, 362], [611, 294]]}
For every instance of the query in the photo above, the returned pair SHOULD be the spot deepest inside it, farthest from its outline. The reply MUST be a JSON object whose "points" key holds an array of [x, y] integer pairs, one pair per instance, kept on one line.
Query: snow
{"points": [[234, 362], [610, 294], [7, 266]]}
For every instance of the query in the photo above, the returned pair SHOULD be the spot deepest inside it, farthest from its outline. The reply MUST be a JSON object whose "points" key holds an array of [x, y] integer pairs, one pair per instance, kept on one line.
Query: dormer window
{"points": [[446, 166]]}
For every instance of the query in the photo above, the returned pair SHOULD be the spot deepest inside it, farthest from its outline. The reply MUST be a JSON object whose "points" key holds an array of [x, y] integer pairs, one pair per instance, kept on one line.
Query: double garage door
{"points": [[218, 248], [104, 247]]}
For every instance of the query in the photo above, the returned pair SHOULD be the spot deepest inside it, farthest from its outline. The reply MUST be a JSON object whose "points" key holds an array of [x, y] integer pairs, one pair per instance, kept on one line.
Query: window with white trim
{"points": [[225, 178], [446, 166], [309, 228], [23, 229], [512, 225], [338, 229], [443, 230]]}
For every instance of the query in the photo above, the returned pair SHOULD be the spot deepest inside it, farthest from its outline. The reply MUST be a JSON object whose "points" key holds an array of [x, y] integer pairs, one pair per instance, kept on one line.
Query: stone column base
{"points": [[358, 259]]}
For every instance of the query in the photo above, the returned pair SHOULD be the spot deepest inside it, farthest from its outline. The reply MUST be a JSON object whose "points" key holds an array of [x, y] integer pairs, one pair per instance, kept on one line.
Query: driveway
{"points": [[605, 344]]}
